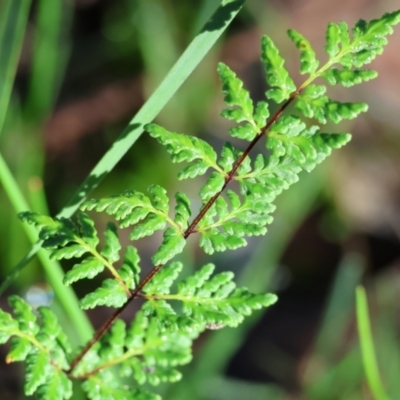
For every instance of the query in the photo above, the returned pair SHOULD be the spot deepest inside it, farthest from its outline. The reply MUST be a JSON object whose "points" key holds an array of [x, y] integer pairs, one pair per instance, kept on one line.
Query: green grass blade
{"points": [[367, 346], [50, 53], [14, 16], [192, 56], [339, 306], [65, 295]]}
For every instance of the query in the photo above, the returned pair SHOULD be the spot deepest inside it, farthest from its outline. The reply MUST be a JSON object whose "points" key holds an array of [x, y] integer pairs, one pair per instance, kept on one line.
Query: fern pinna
{"points": [[175, 311]]}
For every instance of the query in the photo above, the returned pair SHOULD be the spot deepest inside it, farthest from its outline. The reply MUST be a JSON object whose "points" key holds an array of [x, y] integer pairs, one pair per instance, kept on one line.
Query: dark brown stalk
{"points": [[191, 229]]}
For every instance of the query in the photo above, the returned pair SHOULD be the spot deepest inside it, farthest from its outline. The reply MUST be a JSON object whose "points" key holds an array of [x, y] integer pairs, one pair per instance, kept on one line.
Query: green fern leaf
{"points": [[313, 103], [113, 342], [162, 350], [53, 337], [261, 114], [38, 370], [185, 148], [112, 244], [213, 185], [19, 349], [337, 35], [214, 240], [189, 286], [228, 156], [69, 251], [149, 214], [148, 226], [159, 198], [216, 301], [54, 232], [277, 76], [57, 387], [162, 281], [240, 105], [347, 77], [87, 230], [172, 244], [105, 387], [88, 268], [182, 211], [110, 294], [370, 38], [130, 269], [7, 326], [224, 227], [235, 95], [302, 144], [24, 315], [207, 301], [308, 61], [336, 111]]}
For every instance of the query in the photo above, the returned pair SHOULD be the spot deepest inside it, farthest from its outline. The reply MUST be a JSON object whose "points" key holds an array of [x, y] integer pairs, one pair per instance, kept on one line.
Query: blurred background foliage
{"points": [[87, 66]]}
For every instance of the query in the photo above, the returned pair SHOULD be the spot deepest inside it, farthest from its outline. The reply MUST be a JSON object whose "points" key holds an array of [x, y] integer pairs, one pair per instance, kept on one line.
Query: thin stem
{"points": [[105, 262], [191, 229], [367, 346]]}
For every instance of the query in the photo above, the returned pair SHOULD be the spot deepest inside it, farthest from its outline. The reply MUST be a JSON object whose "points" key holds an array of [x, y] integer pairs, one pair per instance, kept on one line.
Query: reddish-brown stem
{"points": [[191, 229]]}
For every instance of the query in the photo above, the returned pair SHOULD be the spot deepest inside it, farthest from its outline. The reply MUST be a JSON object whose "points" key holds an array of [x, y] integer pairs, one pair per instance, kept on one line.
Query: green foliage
{"points": [[66, 239], [278, 77], [159, 339], [241, 106], [185, 148], [148, 214], [207, 301], [42, 345]]}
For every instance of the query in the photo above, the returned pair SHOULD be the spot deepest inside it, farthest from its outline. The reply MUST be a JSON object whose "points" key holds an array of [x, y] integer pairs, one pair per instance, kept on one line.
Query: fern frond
{"points": [[42, 345], [172, 244], [145, 350], [308, 60], [104, 386], [66, 240], [175, 312], [111, 293], [206, 301], [148, 213], [313, 103], [186, 148], [278, 77], [240, 106], [224, 226]]}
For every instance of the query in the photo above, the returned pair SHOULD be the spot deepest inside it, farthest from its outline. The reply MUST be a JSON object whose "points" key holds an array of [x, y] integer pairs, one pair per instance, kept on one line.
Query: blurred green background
{"points": [[87, 66]]}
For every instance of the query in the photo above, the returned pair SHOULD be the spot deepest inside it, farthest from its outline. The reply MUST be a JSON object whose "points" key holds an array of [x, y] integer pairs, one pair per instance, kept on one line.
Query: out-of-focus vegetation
{"points": [[87, 66]]}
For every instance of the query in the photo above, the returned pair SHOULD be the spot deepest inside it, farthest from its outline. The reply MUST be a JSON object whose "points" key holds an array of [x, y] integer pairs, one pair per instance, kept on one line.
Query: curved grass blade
{"points": [[14, 16], [367, 346]]}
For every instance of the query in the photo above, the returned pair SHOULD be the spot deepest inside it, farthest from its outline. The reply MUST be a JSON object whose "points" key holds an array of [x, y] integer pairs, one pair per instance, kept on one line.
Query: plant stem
{"points": [[367, 346], [14, 16]]}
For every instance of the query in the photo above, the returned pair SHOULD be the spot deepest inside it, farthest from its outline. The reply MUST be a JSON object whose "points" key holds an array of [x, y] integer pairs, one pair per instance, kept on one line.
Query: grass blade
{"points": [[14, 16], [50, 53], [367, 346]]}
